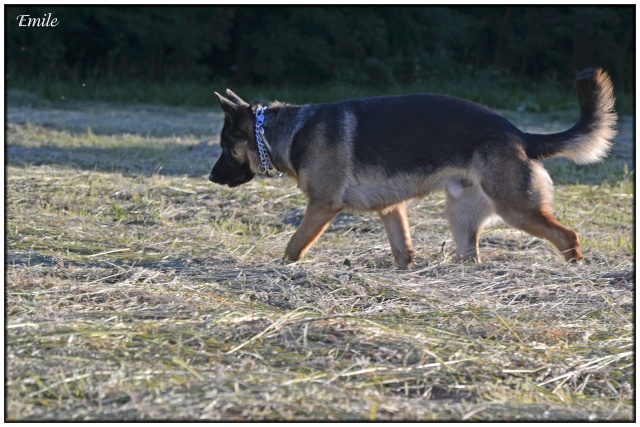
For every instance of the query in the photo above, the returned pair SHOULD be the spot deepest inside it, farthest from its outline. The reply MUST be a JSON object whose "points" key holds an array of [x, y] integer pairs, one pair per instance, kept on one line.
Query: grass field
{"points": [[137, 290]]}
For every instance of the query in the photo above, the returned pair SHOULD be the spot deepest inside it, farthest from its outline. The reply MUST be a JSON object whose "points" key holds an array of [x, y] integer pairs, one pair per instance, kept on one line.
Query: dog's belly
{"points": [[373, 191]]}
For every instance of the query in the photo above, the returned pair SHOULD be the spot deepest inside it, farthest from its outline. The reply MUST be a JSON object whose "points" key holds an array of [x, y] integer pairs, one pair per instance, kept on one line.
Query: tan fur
{"points": [[597, 144], [469, 209], [468, 212], [528, 209], [249, 156], [372, 189], [316, 219], [396, 224]]}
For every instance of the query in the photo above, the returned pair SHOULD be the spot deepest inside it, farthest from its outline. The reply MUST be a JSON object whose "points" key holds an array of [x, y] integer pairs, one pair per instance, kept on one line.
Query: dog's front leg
{"points": [[316, 219], [396, 225]]}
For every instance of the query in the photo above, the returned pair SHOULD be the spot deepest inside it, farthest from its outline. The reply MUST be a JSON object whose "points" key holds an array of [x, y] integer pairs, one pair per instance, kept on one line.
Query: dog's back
{"points": [[424, 132]]}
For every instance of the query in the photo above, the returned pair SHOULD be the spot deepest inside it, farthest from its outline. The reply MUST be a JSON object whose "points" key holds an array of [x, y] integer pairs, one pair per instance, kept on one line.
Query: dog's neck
{"points": [[281, 123], [264, 149]]}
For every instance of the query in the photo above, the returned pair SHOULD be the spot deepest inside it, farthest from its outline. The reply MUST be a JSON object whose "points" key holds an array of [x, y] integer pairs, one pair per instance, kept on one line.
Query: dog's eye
{"points": [[234, 152]]}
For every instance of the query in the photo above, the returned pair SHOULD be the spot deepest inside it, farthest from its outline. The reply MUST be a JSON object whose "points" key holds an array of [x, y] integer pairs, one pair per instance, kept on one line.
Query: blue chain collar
{"points": [[266, 167]]}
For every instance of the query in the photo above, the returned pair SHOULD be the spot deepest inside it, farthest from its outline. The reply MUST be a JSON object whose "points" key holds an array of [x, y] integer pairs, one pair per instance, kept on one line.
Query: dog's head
{"points": [[237, 140]]}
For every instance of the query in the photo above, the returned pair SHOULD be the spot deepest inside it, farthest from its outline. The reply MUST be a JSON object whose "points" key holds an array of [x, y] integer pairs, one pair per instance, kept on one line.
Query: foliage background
{"points": [[366, 47]]}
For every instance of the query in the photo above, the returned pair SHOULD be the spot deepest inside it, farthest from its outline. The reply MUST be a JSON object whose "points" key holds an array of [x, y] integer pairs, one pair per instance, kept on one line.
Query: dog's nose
{"points": [[212, 177]]}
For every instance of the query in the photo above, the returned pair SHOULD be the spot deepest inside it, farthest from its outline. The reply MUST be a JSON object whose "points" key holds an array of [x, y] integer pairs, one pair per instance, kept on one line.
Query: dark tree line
{"points": [[366, 46]]}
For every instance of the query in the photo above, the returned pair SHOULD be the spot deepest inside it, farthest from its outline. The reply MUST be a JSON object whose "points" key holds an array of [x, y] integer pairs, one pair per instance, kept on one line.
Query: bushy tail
{"points": [[591, 139]]}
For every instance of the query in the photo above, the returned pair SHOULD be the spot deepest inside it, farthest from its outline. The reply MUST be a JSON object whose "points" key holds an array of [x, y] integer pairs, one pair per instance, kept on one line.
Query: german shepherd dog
{"points": [[377, 153]]}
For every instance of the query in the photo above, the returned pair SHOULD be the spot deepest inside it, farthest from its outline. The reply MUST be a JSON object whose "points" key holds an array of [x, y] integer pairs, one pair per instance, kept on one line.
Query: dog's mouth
{"points": [[235, 182]]}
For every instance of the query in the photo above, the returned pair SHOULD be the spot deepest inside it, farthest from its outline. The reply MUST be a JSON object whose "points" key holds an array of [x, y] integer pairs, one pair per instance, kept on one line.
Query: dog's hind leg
{"points": [[543, 224], [524, 200], [396, 224], [467, 208], [316, 219]]}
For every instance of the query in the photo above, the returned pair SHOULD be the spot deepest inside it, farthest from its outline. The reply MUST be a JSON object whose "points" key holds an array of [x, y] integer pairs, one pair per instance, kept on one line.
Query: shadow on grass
{"points": [[164, 158], [139, 140], [144, 120]]}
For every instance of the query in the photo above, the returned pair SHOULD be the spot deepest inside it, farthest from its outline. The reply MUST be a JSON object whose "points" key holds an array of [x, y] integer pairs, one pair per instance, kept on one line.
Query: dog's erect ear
{"points": [[235, 98], [229, 108]]}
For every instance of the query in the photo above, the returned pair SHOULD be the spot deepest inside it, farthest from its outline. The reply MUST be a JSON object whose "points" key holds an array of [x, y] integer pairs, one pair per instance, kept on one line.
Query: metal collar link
{"points": [[263, 146]]}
